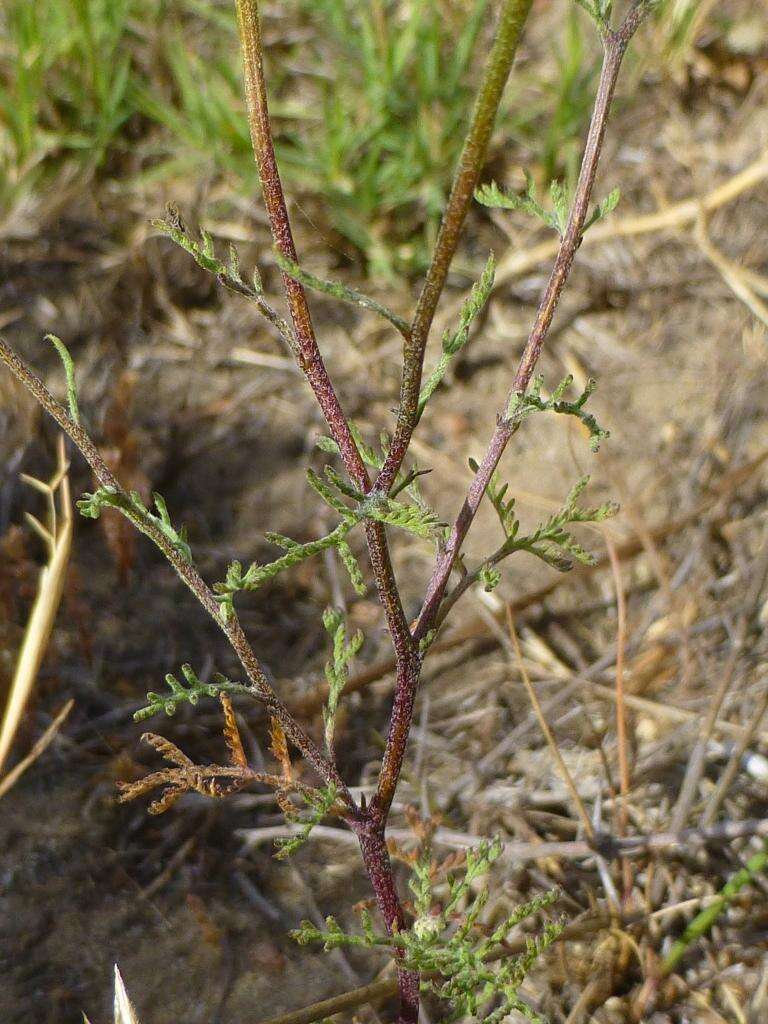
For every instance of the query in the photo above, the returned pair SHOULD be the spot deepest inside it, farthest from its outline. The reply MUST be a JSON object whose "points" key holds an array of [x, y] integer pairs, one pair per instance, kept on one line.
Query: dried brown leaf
{"points": [[131, 790], [168, 750], [165, 800], [399, 853], [232, 734], [285, 803], [278, 744]]}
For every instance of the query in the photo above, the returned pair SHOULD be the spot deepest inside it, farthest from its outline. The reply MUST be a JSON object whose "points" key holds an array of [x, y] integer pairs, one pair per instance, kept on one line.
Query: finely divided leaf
{"points": [[69, 373]]}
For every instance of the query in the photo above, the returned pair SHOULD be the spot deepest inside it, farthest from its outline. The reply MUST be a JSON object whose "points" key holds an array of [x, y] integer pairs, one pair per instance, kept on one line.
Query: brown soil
{"points": [[198, 920]]}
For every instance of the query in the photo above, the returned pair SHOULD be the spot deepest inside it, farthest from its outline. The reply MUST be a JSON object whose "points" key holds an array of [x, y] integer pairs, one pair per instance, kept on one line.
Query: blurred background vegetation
{"points": [[369, 102]]}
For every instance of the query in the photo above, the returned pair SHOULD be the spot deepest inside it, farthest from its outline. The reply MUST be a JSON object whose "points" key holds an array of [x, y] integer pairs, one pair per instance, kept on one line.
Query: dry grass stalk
{"points": [[670, 844], [725, 781], [124, 1013], [744, 284], [696, 762], [621, 709], [41, 745], [57, 536]]}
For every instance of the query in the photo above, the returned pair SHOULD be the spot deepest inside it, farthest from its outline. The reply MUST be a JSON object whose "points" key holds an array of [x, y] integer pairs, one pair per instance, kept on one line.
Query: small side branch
{"points": [[261, 688], [57, 536]]}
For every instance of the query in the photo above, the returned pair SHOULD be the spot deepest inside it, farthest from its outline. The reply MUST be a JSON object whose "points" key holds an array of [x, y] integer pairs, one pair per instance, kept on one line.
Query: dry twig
{"points": [[40, 746], [57, 536]]}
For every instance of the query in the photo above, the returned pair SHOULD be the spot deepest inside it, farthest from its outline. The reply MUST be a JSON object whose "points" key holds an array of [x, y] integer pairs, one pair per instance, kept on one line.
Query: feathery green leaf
{"points": [[134, 509], [337, 669], [318, 802], [69, 373], [492, 196], [523, 405], [337, 290], [551, 541], [445, 944], [604, 207], [454, 341], [257, 574], [187, 692]]}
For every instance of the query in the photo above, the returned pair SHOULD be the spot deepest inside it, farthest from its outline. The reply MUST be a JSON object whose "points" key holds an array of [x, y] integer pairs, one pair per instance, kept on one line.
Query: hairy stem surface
{"points": [[311, 363], [512, 19], [309, 357], [375, 855]]}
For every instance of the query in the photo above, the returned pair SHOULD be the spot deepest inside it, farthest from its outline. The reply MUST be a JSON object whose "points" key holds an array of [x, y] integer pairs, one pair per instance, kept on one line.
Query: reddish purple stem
{"points": [[615, 45]]}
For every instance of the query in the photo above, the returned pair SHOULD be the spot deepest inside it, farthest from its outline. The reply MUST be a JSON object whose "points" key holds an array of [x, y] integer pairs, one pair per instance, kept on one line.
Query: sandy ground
{"points": [[193, 397]]}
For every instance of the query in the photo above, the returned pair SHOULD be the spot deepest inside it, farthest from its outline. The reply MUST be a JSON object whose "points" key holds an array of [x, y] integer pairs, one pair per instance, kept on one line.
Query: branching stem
{"points": [[262, 690], [311, 363], [369, 822], [310, 360], [615, 44]]}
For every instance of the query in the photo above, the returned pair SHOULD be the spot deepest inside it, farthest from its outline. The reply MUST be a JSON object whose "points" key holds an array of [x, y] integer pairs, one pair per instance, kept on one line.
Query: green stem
{"points": [[704, 920], [514, 14]]}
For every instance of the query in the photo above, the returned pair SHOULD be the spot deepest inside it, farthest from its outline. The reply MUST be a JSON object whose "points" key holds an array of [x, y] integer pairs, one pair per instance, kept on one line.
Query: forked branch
{"points": [[615, 44], [310, 360]]}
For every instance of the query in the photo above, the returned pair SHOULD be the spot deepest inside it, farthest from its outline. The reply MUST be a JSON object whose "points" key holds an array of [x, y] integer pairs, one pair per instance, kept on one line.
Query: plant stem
{"points": [[512, 19], [375, 855], [706, 918], [621, 709], [511, 22], [615, 44], [371, 835], [407, 679], [406, 684], [189, 575], [309, 358]]}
